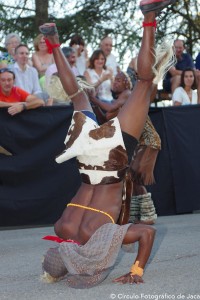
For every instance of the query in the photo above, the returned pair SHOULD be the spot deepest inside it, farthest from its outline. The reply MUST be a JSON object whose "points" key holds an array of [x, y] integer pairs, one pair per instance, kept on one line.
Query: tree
{"points": [[93, 19]]}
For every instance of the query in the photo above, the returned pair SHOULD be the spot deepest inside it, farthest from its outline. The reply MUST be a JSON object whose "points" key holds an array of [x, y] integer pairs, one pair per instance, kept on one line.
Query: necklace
{"points": [[189, 93]]}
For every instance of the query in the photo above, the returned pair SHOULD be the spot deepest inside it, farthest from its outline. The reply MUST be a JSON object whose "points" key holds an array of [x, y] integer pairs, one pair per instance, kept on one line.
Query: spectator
{"points": [[12, 40], [186, 94], [106, 46], [70, 54], [100, 76], [13, 97], [41, 58], [184, 60], [78, 43], [197, 62], [26, 77]]}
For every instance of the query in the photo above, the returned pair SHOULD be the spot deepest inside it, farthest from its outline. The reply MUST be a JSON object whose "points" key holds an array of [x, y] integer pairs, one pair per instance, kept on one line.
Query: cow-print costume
{"points": [[100, 150]]}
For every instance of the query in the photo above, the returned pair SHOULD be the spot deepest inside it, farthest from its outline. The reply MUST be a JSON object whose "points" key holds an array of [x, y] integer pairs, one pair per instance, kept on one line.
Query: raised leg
{"points": [[133, 114], [69, 82]]}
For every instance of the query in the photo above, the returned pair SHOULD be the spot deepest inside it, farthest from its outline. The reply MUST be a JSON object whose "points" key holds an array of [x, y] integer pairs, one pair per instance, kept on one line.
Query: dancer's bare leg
{"points": [[134, 112], [69, 82]]}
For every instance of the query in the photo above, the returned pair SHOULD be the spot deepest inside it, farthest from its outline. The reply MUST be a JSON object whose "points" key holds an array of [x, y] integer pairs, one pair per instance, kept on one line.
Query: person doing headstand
{"points": [[88, 231]]}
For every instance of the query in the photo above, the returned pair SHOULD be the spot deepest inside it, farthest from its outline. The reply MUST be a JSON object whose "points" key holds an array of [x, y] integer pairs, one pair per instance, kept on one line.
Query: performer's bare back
{"points": [[79, 224]]}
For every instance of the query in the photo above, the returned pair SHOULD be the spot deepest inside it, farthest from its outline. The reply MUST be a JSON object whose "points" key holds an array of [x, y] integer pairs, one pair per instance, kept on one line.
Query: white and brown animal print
{"points": [[100, 150]]}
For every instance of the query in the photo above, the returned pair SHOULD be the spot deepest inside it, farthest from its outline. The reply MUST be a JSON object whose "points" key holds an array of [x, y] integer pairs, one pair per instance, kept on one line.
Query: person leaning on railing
{"points": [[13, 97]]}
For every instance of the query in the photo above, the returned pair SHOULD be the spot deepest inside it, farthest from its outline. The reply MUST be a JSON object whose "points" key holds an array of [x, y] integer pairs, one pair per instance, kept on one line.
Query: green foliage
{"points": [[93, 19]]}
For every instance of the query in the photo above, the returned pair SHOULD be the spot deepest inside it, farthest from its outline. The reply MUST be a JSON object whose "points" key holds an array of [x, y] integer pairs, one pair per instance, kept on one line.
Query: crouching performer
{"points": [[90, 238]]}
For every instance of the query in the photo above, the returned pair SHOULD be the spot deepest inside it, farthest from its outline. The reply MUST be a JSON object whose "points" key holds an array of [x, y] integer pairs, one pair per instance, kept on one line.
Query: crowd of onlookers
{"points": [[183, 80], [28, 81]]}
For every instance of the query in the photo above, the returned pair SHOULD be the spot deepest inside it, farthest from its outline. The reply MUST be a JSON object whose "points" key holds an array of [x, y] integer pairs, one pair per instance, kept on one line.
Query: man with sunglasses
{"points": [[13, 97]]}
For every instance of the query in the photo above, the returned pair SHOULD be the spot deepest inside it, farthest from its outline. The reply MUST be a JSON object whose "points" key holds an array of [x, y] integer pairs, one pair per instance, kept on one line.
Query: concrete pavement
{"points": [[173, 271]]}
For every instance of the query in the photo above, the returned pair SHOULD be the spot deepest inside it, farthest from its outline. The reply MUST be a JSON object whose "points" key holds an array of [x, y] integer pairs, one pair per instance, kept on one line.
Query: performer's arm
{"points": [[145, 236], [113, 106]]}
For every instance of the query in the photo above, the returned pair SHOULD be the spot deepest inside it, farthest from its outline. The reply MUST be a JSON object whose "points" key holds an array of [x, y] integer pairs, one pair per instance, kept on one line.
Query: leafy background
{"points": [[93, 19]]}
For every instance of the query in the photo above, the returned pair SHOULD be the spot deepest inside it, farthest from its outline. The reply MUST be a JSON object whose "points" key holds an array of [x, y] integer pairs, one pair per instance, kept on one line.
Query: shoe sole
{"points": [[154, 5], [48, 30]]}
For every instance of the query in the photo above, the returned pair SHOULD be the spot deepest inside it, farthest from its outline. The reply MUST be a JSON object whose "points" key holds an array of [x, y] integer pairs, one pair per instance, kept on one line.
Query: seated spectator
{"points": [[78, 44], [106, 46], [12, 40], [26, 77], [41, 58], [100, 76], [197, 64], [70, 54], [13, 97], [184, 60], [186, 94]]}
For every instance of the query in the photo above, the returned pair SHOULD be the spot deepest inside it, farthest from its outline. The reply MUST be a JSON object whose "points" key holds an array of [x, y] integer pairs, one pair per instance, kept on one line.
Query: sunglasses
{"points": [[3, 70]]}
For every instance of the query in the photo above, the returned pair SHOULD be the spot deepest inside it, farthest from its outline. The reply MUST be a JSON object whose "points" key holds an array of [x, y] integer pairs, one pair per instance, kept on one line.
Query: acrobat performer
{"points": [[90, 238]]}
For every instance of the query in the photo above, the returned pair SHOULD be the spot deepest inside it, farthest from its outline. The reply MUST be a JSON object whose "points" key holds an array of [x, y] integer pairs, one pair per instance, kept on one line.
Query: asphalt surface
{"points": [[173, 270]]}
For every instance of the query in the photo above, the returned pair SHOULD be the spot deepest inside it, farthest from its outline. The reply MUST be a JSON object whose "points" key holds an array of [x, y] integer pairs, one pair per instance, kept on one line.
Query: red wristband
{"points": [[151, 24], [51, 46]]}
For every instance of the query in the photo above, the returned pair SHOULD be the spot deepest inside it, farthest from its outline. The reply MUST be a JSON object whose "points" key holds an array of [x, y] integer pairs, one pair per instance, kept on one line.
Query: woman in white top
{"points": [[41, 57], [100, 76], [186, 93]]}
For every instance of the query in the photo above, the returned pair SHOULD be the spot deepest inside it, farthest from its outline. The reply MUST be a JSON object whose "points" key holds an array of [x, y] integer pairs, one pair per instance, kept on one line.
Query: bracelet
{"points": [[24, 106], [135, 270], [75, 94], [51, 46], [151, 24]]}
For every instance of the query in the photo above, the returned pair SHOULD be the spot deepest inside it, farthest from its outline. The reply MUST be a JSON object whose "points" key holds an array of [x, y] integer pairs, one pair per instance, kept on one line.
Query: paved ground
{"points": [[173, 271]]}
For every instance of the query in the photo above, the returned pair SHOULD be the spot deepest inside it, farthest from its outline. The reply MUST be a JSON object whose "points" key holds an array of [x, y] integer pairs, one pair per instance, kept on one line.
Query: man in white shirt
{"points": [[106, 46], [26, 76]]}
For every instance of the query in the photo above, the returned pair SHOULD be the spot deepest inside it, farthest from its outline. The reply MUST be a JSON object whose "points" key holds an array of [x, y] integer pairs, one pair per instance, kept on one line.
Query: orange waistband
{"points": [[92, 209]]}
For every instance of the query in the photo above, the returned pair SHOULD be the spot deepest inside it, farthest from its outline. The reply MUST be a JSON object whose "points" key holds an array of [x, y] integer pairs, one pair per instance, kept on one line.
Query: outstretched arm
{"points": [[113, 106], [144, 234]]}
